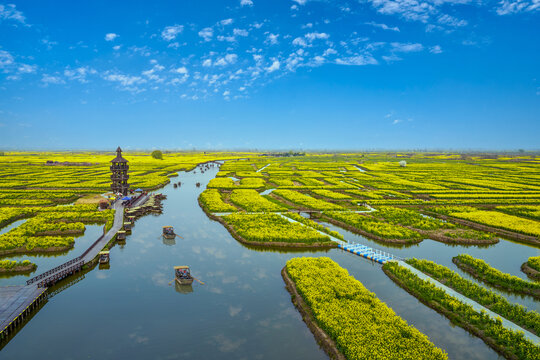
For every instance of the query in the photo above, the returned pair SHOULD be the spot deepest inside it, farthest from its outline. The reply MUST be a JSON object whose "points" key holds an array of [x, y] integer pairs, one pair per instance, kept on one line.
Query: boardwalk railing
{"points": [[91, 247], [54, 270], [59, 275]]}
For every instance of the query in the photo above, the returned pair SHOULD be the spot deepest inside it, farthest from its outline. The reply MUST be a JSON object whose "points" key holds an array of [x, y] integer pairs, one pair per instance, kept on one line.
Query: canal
{"points": [[243, 311]]}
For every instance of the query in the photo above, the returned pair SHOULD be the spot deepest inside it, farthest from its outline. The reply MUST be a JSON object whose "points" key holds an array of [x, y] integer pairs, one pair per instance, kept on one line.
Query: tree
{"points": [[156, 154], [2, 153]]}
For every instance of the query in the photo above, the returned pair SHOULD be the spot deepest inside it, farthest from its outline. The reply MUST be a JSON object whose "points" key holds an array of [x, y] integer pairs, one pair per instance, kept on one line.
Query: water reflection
{"points": [[242, 311], [183, 289]]}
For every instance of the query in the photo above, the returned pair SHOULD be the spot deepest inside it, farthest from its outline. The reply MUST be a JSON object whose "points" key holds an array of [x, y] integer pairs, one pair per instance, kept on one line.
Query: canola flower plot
{"points": [[51, 228], [313, 224], [534, 262], [531, 211], [332, 194], [501, 220], [251, 201], [306, 200], [373, 227], [212, 200], [272, 229], [491, 276], [361, 326], [14, 266], [532, 268], [516, 313], [511, 344]]}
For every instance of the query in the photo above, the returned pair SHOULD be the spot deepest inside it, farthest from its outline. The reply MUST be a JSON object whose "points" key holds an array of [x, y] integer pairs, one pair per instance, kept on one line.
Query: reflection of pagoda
{"points": [[119, 175]]}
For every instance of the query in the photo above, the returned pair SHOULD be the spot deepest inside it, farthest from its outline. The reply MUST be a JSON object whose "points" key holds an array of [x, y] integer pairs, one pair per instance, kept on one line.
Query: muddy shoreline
{"points": [[471, 271], [322, 338]]}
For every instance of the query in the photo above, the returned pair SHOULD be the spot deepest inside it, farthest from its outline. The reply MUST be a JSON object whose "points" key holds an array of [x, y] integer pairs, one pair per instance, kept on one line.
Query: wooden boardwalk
{"points": [[17, 302]]}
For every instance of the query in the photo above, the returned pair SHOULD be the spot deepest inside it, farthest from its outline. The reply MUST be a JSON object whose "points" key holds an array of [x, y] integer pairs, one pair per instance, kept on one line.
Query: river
{"points": [[243, 311]]}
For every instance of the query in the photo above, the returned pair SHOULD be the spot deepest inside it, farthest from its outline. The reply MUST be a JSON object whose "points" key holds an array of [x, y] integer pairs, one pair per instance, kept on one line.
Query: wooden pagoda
{"points": [[119, 174]]}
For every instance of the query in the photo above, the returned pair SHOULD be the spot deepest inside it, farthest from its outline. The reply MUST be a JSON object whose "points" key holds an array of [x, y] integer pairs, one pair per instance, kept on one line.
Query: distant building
{"points": [[119, 174]]}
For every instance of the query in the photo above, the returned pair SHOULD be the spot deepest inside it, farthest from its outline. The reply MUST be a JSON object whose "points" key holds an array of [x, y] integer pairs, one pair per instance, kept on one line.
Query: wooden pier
{"points": [[17, 303]]}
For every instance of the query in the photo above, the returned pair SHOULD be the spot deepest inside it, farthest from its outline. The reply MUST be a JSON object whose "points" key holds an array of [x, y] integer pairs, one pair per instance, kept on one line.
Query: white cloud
{"points": [[228, 59], [357, 60], [79, 73], [299, 42], [396, 121], [125, 80], [316, 35], [409, 9], [272, 39], [152, 73], [117, 47], [51, 79], [435, 49], [391, 58], [180, 70], [246, 2], [6, 59], [226, 22], [275, 66], [300, 2], [226, 38], [240, 32], [171, 32], [207, 63], [383, 26], [226, 93], [9, 12], [26, 69], [111, 36], [451, 21], [48, 43], [329, 51], [515, 6], [206, 33], [406, 47]]}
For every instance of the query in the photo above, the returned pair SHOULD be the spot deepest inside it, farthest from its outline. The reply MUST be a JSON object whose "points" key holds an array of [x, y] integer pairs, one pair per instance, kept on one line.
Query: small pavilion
{"points": [[119, 174]]}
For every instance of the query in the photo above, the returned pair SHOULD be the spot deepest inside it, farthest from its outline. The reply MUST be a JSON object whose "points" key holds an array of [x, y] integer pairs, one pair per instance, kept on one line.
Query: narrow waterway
{"points": [[243, 311]]}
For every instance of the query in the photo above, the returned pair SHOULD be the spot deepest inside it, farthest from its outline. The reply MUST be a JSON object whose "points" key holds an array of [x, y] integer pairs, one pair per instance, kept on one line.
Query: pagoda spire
{"points": [[119, 176]]}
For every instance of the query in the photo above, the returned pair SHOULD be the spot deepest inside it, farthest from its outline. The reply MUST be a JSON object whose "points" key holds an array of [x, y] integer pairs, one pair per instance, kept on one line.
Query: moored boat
{"points": [[103, 257]]}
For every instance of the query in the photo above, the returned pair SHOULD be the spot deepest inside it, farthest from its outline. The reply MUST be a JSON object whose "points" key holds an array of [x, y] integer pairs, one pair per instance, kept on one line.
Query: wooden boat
{"points": [[121, 235], [103, 257], [168, 232], [183, 275]]}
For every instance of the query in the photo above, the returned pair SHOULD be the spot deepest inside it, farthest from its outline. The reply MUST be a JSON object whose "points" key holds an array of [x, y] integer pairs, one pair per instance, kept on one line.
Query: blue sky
{"points": [[254, 74]]}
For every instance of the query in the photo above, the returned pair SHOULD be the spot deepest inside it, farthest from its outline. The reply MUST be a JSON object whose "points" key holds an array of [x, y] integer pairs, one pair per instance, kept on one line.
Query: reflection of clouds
{"points": [[259, 274], [139, 339], [233, 311], [246, 255], [277, 320], [160, 279], [101, 275], [226, 344], [196, 249], [215, 252], [230, 279], [216, 290]]}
